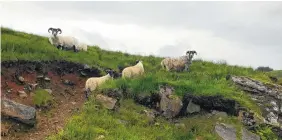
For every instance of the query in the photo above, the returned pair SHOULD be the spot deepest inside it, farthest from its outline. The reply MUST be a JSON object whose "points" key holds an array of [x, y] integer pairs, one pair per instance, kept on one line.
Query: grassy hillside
{"points": [[205, 78]]}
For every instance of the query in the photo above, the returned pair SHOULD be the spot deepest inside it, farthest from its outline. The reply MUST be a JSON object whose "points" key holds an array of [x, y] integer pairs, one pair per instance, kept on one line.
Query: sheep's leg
{"points": [[74, 49], [87, 93], [59, 46]]}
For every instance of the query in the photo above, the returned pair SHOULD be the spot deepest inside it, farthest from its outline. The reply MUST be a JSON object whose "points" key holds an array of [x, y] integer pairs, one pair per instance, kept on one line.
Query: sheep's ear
{"points": [[136, 61]]}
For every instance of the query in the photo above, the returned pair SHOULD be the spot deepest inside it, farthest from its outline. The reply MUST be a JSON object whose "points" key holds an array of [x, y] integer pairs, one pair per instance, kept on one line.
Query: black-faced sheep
{"points": [[65, 42], [94, 82], [178, 64], [133, 71]]}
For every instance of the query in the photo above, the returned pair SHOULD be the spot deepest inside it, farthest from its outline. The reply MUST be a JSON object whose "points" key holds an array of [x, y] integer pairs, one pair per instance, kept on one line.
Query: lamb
{"points": [[133, 71], [65, 42], [178, 64], [94, 82]]}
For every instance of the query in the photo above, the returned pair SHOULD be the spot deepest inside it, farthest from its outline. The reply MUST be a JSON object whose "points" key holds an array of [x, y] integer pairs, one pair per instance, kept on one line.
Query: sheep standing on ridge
{"points": [[178, 64], [65, 42], [94, 82], [133, 71]]}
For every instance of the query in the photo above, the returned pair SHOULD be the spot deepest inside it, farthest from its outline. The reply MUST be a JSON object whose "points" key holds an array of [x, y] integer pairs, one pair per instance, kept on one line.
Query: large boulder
{"points": [[19, 112], [267, 96], [170, 105]]}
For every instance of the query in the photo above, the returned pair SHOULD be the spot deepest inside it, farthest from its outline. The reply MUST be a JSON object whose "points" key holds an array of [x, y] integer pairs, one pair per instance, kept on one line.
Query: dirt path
{"points": [[67, 100]]}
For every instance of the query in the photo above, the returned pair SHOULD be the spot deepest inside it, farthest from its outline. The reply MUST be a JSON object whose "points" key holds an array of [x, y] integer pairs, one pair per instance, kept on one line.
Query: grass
{"points": [[41, 97], [204, 78]]}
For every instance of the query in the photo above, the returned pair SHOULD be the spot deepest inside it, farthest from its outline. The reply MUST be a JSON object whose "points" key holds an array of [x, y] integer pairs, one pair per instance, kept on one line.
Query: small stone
{"points": [[49, 91], [73, 103], [47, 79], [22, 94], [273, 103], [21, 79], [40, 76]]}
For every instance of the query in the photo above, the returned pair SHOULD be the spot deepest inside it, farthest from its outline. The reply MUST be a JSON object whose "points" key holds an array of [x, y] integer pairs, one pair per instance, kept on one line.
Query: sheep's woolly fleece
{"points": [[93, 82], [133, 71], [175, 63]]}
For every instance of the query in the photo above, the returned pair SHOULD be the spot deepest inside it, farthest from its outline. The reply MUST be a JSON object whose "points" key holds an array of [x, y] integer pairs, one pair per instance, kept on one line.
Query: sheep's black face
{"points": [[110, 72]]}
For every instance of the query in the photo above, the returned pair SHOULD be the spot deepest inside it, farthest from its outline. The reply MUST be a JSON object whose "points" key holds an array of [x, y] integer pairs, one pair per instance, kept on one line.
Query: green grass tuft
{"points": [[41, 97]]}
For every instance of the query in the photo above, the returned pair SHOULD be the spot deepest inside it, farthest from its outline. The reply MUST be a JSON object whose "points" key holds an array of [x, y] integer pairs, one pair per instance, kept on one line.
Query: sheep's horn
{"points": [[50, 29], [59, 30]]}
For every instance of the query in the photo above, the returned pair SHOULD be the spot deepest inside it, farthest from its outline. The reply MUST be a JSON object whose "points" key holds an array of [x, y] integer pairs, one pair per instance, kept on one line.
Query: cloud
{"points": [[243, 33]]}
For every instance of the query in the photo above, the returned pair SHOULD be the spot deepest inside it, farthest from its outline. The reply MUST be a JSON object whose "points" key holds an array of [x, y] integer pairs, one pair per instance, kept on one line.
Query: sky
{"points": [[241, 33]]}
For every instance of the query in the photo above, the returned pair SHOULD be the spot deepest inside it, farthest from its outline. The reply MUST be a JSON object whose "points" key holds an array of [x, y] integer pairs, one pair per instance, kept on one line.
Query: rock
{"points": [[113, 93], [22, 94], [271, 118], [85, 66], [247, 119], [150, 115], [257, 87], [193, 108], [17, 111], [68, 82], [107, 102], [246, 135], [21, 79], [49, 91], [47, 79], [40, 76], [170, 106], [209, 103], [219, 113], [226, 132], [73, 103]]}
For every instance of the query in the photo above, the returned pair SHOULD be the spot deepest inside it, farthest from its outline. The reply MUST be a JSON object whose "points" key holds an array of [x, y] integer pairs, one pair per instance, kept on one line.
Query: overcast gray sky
{"points": [[242, 33]]}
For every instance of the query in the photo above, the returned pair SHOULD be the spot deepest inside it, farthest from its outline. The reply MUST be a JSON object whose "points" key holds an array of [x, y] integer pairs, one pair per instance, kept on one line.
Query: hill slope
{"points": [[204, 78]]}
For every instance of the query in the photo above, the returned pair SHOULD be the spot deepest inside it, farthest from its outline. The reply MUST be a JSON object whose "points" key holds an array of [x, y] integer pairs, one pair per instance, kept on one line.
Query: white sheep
{"points": [[133, 71], [178, 64], [92, 83], [65, 42]]}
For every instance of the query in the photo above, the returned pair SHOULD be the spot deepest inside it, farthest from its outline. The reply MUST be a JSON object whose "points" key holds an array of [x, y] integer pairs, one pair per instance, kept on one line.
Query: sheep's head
{"points": [[191, 52], [110, 72], [55, 31], [137, 61]]}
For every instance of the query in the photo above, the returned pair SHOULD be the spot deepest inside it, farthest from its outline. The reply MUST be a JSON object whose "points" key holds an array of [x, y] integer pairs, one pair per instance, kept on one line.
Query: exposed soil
{"points": [[67, 98]]}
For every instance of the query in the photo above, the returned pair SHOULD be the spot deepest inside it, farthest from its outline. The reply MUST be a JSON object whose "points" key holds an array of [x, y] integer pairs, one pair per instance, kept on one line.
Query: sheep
{"points": [[133, 71], [94, 82], [178, 64], [65, 42]]}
